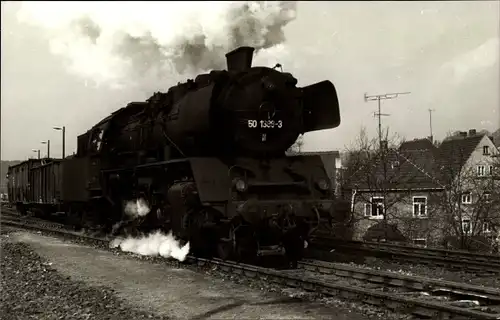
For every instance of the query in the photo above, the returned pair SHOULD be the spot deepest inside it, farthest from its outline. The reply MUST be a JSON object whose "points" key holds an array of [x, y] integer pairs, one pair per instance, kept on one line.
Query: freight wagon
{"points": [[36, 185]]}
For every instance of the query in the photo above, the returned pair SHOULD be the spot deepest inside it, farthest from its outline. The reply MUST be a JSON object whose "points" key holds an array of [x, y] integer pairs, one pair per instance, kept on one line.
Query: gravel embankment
{"points": [[31, 289]]}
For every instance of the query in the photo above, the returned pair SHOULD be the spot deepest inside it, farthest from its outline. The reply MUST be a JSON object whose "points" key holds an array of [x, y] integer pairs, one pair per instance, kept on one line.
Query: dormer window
{"points": [[486, 150]]}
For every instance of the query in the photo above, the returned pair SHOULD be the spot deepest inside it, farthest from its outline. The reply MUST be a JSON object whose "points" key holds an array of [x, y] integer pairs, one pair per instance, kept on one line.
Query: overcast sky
{"points": [[445, 53]]}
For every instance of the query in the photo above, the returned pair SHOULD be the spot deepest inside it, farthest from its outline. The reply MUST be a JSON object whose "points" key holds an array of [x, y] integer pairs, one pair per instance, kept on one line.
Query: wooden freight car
{"points": [[36, 185], [48, 186], [18, 185]]}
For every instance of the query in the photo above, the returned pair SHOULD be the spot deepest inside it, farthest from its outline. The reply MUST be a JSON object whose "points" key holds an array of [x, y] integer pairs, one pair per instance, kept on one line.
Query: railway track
{"points": [[486, 264], [404, 284], [312, 277]]}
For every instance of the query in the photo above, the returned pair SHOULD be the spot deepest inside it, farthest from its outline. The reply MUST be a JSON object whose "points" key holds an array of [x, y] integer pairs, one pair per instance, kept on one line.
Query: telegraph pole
{"points": [[379, 114], [430, 123]]}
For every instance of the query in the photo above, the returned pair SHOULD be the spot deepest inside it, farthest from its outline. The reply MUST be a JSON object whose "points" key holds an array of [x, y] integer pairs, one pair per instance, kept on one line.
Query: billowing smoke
{"points": [[136, 209], [153, 244], [151, 43]]}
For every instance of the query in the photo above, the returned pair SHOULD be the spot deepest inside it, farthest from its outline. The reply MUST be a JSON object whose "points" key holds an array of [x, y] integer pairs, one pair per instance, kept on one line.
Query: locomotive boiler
{"points": [[208, 157]]}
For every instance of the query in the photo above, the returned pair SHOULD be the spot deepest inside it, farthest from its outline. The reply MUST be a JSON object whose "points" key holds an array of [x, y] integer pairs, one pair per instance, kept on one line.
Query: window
{"points": [[487, 196], [480, 171], [465, 225], [490, 170], [486, 150], [419, 206], [466, 198], [486, 227], [375, 209]]}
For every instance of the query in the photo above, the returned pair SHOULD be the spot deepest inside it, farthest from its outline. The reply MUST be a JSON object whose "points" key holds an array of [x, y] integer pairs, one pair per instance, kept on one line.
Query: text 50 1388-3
{"points": [[266, 124]]}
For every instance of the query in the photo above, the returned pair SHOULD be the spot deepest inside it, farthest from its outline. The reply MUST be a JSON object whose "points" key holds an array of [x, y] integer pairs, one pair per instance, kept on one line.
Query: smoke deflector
{"points": [[239, 59], [321, 106]]}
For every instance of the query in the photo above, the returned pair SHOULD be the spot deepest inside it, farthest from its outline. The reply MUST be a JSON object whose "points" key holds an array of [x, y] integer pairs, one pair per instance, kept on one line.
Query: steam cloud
{"points": [[153, 244], [137, 209], [144, 43]]}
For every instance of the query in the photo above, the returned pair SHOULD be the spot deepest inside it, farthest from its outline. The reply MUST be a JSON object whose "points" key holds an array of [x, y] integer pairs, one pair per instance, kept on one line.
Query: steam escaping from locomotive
{"points": [[137, 209], [154, 244], [144, 43]]}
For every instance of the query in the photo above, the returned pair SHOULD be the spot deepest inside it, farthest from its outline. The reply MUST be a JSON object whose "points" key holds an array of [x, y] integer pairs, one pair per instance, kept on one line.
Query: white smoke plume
{"points": [[149, 44], [137, 209], [155, 244]]}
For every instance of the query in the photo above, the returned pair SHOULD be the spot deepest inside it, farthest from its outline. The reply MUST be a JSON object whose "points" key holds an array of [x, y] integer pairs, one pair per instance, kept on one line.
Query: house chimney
{"points": [[240, 59], [463, 133], [472, 132]]}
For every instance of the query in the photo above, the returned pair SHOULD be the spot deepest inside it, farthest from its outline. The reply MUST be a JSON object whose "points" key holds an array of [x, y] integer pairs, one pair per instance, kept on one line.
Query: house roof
{"points": [[454, 152], [495, 137], [417, 164], [417, 144], [409, 167]]}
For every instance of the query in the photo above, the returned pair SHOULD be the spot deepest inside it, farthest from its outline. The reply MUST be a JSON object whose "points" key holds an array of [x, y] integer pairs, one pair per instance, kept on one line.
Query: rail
{"points": [[448, 258]]}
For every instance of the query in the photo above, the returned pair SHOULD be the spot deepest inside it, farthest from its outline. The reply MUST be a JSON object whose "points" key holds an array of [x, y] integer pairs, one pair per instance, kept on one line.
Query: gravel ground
{"points": [[31, 289], [98, 302], [47, 295]]}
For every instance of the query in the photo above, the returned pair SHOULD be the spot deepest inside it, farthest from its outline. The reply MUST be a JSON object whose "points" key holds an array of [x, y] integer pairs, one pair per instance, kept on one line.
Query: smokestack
{"points": [[240, 59]]}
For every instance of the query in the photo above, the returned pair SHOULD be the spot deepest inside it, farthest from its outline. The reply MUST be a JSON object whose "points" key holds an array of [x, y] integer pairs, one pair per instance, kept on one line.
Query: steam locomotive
{"points": [[208, 158]]}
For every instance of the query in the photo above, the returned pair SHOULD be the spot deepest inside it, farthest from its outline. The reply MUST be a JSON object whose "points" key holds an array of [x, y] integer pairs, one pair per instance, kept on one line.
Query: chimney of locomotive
{"points": [[240, 59]]}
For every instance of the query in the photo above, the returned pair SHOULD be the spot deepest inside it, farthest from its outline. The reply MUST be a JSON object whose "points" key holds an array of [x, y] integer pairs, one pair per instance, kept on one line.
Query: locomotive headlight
{"points": [[323, 184], [240, 185]]}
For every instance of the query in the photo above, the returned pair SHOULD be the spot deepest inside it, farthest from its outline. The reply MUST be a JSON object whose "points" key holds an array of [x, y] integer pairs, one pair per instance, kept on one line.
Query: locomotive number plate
{"points": [[266, 124]]}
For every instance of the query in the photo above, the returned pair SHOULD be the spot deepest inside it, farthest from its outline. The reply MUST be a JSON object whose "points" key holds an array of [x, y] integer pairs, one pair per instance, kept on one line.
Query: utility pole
{"points": [[379, 114], [430, 123]]}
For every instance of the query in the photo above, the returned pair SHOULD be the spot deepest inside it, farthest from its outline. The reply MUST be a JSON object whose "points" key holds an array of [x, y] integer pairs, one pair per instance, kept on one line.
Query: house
{"points": [[397, 184], [467, 165], [406, 187]]}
